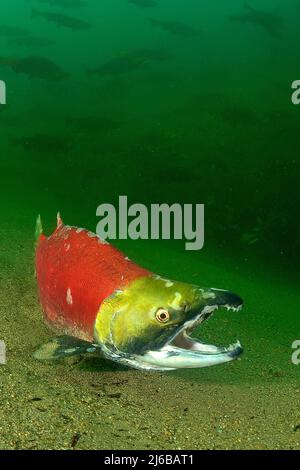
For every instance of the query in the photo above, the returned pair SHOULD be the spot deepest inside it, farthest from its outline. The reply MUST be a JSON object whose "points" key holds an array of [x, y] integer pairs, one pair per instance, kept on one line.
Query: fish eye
{"points": [[162, 315]]}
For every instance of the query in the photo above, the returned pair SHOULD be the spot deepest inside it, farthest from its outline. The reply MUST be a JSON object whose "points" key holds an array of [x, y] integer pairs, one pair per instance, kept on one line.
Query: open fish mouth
{"points": [[183, 351]]}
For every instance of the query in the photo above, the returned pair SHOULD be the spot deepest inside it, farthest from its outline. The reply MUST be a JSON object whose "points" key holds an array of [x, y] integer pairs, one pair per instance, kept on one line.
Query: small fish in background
{"points": [[92, 124], [61, 20], [255, 233], [144, 3], [130, 61], [13, 31], [155, 55], [65, 3], [35, 67], [9, 120], [31, 41], [177, 28], [45, 143], [239, 116], [271, 22], [118, 66]]}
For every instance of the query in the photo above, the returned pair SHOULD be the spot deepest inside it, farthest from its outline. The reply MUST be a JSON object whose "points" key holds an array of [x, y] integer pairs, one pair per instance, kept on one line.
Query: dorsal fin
{"points": [[38, 234], [59, 220]]}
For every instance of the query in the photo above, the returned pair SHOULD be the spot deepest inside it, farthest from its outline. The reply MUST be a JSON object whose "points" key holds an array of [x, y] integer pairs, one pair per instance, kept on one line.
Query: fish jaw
{"points": [[172, 358], [184, 352], [162, 350]]}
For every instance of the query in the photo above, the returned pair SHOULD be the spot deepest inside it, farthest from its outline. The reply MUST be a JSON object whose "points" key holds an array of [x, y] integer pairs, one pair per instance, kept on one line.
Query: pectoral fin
{"points": [[62, 347]]}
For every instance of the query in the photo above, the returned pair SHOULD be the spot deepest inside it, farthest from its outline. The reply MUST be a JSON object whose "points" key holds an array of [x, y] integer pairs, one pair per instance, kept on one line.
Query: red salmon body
{"points": [[76, 271]]}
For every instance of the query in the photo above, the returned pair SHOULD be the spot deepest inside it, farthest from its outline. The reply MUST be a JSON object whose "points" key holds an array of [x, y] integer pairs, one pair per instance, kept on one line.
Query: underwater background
{"points": [[162, 101]]}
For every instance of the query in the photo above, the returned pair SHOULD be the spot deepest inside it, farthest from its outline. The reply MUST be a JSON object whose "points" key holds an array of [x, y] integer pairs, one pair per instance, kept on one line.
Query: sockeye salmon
{"points": [[103, 303]]}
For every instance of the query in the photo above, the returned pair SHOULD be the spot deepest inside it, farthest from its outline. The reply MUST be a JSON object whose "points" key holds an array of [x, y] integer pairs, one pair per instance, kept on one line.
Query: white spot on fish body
{"points": [[176, 302], [64, 232], [69, 297], [169, 284], [208, 295]]}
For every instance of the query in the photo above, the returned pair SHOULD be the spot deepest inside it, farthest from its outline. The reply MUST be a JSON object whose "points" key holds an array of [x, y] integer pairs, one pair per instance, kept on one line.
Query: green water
{"points": [[208, 120]]}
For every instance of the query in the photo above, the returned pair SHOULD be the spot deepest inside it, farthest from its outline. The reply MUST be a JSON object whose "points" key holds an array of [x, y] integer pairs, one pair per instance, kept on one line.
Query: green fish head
{"points": [[146, 324]]}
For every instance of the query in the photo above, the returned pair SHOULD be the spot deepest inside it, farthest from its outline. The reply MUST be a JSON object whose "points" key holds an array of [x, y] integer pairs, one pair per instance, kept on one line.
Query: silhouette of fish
{"points": [[65, 3], [92, 123], [31, 41], [46, 143], [13, 31], [144, 3], [35, 67], [118, 66], [154, 55], [131, 61], [176, 27], [239, 116], [61, 20], [271, 22]]}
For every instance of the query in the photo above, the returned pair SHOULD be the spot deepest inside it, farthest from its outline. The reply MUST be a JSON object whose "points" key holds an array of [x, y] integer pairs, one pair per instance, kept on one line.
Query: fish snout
{"points": [[224, 298]]}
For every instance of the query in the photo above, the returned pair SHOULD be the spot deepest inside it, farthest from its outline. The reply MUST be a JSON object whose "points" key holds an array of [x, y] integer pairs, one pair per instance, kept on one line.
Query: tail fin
{"points": [[38, 231]]}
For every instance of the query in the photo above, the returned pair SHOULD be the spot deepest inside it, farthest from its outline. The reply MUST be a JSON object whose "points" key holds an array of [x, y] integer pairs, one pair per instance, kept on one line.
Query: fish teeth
{"points": [[234, 346], [234, 309]]}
